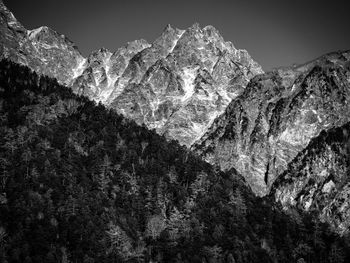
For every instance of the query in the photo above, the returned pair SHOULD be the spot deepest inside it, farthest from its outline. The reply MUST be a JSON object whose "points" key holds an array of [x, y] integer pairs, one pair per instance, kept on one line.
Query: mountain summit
{"points": [[176, 85]]}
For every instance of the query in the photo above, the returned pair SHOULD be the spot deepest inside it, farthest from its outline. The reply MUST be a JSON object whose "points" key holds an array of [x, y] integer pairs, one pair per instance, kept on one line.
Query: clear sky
{"points": [[275, 32]]}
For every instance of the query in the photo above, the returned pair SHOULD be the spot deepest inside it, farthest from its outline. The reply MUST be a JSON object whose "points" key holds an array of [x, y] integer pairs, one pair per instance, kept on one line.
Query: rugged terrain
{"points": [[41, 49], [81, 183], [177, 84], [286, 131], [276, 116], [318, 181]]}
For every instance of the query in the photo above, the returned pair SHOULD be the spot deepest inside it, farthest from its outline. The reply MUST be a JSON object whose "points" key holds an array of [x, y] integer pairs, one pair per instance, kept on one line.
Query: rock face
{"points": [[177, 85], [182, 82], [41, 49], [275, 118], [317, 180]]}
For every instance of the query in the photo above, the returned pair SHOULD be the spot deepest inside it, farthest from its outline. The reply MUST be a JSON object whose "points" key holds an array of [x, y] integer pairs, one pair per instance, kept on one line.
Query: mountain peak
{"points": [[168, 27], [195, 27], [212, 31], [9, 19], [34, 32], [103, 50], [154, 84], [135, 44]]}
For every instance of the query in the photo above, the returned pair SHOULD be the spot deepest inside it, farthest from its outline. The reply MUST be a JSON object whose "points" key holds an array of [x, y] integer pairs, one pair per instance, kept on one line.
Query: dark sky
{"points": [[275, 32]]}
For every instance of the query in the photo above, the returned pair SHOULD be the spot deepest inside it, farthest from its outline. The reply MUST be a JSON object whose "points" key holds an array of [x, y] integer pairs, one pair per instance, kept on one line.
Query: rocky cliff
{"points": [[176, 85], [276, 116], [42, 49], [318, 181]]}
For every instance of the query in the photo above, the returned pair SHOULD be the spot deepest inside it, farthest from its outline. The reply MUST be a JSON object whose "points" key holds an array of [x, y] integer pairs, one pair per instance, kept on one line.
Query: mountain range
{"points": [[282, 135], [274, 135], [276, 116], [177, 84]]}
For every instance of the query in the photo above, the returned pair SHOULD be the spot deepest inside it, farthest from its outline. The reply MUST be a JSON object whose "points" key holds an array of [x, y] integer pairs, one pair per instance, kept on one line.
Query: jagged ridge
{"points": [[317, 180], [177, 85], [275, 118]]}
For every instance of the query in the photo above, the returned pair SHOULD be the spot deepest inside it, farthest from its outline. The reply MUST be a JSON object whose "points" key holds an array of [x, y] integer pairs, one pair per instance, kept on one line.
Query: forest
{"points": [[81, 183]]}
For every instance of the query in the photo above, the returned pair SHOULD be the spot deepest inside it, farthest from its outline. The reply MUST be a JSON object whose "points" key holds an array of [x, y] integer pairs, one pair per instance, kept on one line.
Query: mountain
{"points": [[176, 85], [317, 180], [81, 183], [276, 117], [42, 49]]}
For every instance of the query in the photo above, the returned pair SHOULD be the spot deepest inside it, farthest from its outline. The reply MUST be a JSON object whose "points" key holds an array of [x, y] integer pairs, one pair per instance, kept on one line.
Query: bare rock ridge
{"points": [[275, 118], [176, 85], [41, 49], [317, 180]]}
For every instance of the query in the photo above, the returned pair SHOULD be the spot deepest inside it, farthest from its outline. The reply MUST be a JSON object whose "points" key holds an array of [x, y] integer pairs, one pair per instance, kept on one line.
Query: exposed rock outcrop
{"points": [[177, 85], [318, 179], [275, 118]]}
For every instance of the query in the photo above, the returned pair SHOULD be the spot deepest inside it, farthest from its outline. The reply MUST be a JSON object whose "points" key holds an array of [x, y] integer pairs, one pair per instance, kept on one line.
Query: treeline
{"points": [[80, 183]]}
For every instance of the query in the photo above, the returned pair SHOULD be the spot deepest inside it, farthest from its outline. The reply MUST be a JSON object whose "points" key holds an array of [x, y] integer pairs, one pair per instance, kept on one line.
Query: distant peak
{"points": [[172, 30], [10, 18], [45, 31], [210, 28], [168, 27], [195, 26], [138, 42], [212, 31], [34, 32], [103, 50]]}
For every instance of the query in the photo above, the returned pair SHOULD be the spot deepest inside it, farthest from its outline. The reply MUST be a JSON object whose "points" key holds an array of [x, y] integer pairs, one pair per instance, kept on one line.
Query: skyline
{"points": [[275, 34]]}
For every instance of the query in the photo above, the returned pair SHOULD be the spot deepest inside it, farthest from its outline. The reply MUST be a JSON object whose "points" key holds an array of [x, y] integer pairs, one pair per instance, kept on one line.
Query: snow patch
{"points": [[104, 95], [177, 40], [107, 63], [189, 75], [327, 188], [197, 128], [308, 203], [32, 33], [12, 23], [38, 44], [79, 69]]}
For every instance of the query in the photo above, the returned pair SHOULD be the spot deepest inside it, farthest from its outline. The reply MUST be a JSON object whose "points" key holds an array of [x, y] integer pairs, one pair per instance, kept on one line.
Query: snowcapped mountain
{"points": [[275, 118], [176, 85]]}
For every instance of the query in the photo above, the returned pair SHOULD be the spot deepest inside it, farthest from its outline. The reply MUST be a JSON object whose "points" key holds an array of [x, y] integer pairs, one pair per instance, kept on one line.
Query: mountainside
{"points": [[41, 49], [80, 183], [318, 180], [276, 116], [176, 85]]}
